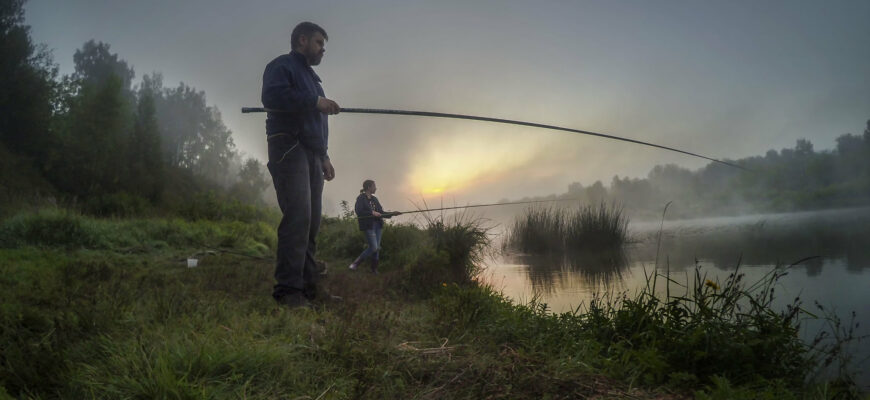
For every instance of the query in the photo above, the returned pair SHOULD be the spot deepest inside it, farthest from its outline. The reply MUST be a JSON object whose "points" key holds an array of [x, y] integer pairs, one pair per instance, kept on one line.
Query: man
{"points": [[298, 160]]}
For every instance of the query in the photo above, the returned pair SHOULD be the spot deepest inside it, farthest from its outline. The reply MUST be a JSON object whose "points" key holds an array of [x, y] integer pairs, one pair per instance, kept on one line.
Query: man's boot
{"points": [[375, 266], [354, 264]]}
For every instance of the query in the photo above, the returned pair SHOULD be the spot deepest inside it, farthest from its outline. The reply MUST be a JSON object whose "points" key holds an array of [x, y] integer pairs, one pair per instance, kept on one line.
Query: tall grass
{"points": [[539, 230], [70, 230], [106, 322], [601, 227], [547, 229], [724, 337], [444, 250], [464, 239], [97, 318]]}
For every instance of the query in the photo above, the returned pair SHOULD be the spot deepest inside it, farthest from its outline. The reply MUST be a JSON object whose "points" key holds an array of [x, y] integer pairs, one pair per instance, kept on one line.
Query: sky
{"points": [[725, 79]]}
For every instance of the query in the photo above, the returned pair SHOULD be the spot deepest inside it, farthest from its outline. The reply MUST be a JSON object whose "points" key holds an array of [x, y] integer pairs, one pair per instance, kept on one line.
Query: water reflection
{"points": [[573, 269], [770, 240], [838, 278]]}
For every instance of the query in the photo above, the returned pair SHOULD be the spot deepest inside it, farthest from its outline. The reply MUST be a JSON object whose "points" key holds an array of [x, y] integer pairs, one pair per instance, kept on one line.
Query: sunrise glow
{"points": [[454, 162]]}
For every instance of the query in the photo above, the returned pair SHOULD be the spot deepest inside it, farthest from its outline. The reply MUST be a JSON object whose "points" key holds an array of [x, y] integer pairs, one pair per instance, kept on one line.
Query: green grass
{"points": [[89, 309], [541, 230]]}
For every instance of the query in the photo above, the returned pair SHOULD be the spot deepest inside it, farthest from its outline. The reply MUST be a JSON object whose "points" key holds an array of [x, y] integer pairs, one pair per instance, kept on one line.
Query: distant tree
{"points": [[180, 115], [94, 148], [95, 65], [803, 148], [596, 193], [146, 165], [213, 148], [26, 86], [850, 144], [632, 193], [252, 182], [575, 189], [194, 136], [93, 158]]}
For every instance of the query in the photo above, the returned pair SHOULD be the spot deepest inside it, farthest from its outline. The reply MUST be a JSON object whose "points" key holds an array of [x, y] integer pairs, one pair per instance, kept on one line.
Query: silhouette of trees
{"points": [[92, 134], [798, 178]]}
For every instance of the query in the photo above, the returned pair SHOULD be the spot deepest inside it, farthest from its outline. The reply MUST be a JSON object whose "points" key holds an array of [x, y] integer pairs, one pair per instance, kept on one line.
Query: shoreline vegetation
{"points": [[107, 308], [108, 184]]}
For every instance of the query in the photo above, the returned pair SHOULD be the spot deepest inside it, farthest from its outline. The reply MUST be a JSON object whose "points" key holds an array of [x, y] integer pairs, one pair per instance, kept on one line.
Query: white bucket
{"points": [[191, 262]]}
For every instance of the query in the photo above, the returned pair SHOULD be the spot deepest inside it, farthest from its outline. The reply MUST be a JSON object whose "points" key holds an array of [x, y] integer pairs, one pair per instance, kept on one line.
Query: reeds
{"points": [[543, 230]]}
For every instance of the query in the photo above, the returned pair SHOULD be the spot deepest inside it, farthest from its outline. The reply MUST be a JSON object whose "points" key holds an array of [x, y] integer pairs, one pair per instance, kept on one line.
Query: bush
{"points": [[211, 206], [118, 205], [48, 228]]}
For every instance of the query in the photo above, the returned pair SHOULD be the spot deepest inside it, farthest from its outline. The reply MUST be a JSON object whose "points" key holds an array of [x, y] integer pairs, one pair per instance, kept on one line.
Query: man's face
{"points": [[313, 47]]}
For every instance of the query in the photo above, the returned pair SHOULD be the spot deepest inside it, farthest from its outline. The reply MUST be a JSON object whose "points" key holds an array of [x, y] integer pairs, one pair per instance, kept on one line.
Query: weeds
{"points": [[550, 230], [110, 318]]}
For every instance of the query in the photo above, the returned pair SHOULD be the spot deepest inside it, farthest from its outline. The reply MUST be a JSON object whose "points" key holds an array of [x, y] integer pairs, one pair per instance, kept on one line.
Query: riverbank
{"points": [[98, 308]]}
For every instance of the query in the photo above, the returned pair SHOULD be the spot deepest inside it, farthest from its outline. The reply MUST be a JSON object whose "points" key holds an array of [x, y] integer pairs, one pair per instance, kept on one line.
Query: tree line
{"points": [[97, 136], [791, 179]]}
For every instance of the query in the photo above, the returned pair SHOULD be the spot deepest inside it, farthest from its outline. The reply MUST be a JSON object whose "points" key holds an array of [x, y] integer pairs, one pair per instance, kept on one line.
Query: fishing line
{"points": [[501, 121], [394, 213]]}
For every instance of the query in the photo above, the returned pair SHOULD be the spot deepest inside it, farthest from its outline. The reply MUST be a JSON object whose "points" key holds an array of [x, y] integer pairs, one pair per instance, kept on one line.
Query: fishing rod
{"points": [[394, 213], [246, 110]]}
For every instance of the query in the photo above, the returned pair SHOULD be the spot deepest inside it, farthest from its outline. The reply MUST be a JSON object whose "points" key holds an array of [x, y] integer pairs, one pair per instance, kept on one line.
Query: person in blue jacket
{"points": [[298, 162], [370, 216]]}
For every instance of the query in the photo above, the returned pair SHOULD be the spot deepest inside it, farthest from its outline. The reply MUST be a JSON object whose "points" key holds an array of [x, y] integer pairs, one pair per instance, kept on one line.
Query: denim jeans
{"points": [[298, 178], [373, 238]]}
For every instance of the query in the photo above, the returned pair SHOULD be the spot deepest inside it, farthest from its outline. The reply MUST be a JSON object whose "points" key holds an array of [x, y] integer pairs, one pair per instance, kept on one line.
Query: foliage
{"points": [[440, 252], [64, 229], [791, 179], [145, 161], [26, 85], [252, 182], [723, 336], [102, 144], [541, 230], [214, 206], [102, 308]]}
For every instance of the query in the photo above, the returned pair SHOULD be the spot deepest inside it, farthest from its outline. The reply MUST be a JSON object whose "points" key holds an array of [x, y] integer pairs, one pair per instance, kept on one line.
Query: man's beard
{"points": [[314, 58]]}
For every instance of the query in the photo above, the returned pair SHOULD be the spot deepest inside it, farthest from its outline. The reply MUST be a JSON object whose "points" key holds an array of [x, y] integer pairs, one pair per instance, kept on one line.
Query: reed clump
{"points": [[541, 230]]}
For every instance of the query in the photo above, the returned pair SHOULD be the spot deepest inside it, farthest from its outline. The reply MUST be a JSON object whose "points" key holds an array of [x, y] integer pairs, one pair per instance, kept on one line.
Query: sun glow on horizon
{"points": [[456, 162]]}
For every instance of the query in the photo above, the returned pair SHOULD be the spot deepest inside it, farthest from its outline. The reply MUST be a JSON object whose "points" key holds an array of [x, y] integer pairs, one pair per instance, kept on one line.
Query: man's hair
{"points": [[305, 29]]}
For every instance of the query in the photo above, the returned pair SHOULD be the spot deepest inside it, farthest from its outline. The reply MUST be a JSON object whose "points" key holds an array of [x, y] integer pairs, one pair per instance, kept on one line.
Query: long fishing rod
{"points": [[394, 213], [502, 121]]}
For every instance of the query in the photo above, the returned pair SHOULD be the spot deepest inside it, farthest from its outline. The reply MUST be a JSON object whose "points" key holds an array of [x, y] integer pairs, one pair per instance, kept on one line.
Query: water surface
{"points": [[838, 276]]}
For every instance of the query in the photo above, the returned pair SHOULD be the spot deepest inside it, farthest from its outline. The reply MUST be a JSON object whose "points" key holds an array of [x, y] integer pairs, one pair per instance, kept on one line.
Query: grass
{"points": [[96, 312], [542, 230]]}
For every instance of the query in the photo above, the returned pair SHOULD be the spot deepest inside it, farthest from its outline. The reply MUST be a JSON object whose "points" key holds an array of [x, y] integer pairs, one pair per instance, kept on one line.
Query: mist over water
{"points": [[837, 278]]}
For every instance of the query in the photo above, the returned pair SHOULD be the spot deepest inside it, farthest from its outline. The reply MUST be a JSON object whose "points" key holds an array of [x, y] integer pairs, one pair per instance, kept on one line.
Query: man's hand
{"points": [[327, 106], [328, 170], [376, 214]]}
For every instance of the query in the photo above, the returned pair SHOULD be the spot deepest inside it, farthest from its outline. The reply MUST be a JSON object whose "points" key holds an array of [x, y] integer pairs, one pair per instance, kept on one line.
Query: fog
{"points": [[729, 80]]}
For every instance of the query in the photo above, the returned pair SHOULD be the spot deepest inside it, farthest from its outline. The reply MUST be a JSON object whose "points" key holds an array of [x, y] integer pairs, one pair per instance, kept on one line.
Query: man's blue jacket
{"points": [[290, 84]]}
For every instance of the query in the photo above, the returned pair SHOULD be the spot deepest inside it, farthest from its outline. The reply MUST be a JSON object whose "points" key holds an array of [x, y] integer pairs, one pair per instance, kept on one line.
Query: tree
{"points": [[597, 193], [95, 65], [213, 148], [252, 182], [180, 112], [26, 85], [98, 124], [194, 136], [146, 168], [93, 154]]}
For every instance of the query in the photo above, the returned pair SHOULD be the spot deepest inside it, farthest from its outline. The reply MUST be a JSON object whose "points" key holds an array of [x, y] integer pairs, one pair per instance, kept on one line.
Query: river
{"points": [[838, 277]]}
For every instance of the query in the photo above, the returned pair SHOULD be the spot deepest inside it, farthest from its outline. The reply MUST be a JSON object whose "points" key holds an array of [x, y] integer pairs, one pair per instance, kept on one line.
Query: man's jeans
{"points": [[298, 178]]}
